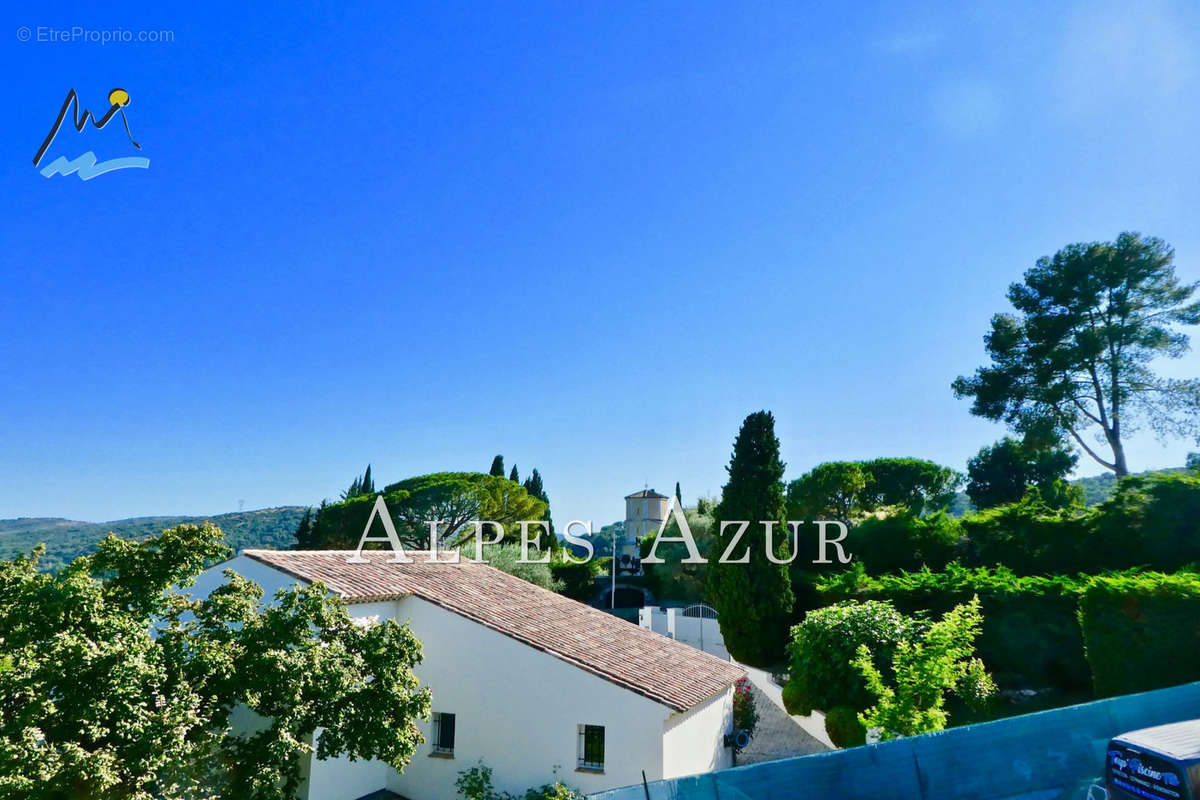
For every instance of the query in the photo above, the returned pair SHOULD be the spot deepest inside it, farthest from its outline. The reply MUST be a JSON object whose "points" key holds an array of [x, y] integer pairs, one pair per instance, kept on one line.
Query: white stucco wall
{"points": [[698, 632], [694, 741], [519, 708]]}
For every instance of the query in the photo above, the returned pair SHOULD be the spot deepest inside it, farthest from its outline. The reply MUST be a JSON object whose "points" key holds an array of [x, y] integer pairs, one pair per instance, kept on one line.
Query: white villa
{"points": [[529, 681]]}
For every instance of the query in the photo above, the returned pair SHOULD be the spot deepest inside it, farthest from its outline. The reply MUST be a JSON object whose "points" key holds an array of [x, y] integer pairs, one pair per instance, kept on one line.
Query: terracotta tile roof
{"points": [[674, 674], [646, 493]]}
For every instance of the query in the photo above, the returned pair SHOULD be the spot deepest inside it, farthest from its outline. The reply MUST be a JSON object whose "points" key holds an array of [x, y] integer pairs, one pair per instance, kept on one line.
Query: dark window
{"points": [[443, 733], [591, 746]]}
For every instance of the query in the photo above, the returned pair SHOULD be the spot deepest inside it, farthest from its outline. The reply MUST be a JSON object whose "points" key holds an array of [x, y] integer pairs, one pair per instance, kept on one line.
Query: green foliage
{"points": [[828, 491], [745, 712], [904, 541], [926, 668], [848, 490], [1152, 520], [116, 686], [673, 580], [1141, 630], [1193, 462], [361, 486], [507, 558], [754, 600], [1030, 538], [475, 783], [455, 498], [1030, 635], [1075, 357], [913, 484], [576, 581], [497, 467], [66, 540], [823, 647], [843, 727], [1005, 471]]}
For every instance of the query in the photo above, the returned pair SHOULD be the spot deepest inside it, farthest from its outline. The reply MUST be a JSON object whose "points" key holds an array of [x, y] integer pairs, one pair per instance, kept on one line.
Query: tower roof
{"points": [[646, 493]]}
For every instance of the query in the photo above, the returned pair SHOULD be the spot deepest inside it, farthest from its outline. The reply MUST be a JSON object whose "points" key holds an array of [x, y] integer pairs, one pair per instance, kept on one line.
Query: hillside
{"points": [[66, 539]]}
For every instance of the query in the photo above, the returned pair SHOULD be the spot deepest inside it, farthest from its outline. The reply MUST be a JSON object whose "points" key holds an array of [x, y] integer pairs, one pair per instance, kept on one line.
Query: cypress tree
{"points": [[513, 476], [678, 495], [754, 600], [304, 531], [368, 484], [497, 467]]}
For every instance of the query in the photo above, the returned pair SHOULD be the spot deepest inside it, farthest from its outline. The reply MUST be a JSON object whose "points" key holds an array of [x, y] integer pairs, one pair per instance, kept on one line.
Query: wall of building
{"points": [[518, 708], [694, 741], [700, 633]]}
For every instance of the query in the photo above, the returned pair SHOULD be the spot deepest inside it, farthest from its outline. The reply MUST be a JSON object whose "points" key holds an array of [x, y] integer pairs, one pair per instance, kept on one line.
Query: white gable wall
{"points": [[694, 741], [518, 709]]}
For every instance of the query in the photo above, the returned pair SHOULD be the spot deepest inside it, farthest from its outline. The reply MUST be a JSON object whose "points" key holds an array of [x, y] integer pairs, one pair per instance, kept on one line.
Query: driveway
{"points": [[779, 734]]}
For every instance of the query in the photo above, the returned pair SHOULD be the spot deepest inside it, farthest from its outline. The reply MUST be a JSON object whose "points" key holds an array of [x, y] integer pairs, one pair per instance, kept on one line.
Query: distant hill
{"points": [[67, 539]]}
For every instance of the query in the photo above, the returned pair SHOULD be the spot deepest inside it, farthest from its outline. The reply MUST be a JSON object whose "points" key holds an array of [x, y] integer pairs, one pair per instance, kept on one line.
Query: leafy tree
{"points": [[753, 600], [1004, 472], [453, 498], [828, 491], [1193, 462], [497, 467], [117, 686], [1077, 354], [912, 483], [514, 476], [933, 664]]}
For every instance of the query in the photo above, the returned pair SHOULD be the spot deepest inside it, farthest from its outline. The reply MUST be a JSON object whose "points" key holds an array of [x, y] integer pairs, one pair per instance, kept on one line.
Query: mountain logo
{"points": [[86, 165]]}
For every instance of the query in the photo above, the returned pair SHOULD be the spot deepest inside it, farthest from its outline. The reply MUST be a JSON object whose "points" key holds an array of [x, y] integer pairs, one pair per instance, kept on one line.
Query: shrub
{"points": [[475, 783], [577, 581], [1030, 635], [793, 699], [745, 714], [553, 791], [843, 728], [1140, 631], [935, 663], [825, 643]]}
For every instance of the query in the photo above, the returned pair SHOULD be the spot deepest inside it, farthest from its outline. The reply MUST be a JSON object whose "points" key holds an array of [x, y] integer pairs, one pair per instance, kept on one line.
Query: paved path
{"points": [[778, 734]]}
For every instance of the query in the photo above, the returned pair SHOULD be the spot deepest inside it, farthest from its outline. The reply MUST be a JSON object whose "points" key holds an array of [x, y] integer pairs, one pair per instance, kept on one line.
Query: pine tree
{"points": [[514, 476], [753, 600], [368, 484], [497, 467]]}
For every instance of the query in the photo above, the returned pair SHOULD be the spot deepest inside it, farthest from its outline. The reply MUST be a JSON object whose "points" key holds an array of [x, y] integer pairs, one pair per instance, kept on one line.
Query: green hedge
{"points": [[1141, 632], [1031, 636]]}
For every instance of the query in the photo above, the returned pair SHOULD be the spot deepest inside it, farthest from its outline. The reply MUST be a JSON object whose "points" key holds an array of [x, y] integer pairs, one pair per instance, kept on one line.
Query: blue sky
{"points": [[586, 236]]}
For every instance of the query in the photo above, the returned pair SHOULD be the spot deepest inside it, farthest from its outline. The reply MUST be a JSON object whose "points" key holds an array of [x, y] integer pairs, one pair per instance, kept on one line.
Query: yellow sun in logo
{"points": [[118, 97]]}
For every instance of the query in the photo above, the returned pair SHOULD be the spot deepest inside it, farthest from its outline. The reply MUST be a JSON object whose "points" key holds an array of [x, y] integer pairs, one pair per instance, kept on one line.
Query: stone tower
{"points": [[644, 513]]}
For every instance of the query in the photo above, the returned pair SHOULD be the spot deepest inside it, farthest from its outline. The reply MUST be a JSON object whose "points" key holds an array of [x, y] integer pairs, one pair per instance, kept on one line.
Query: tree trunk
{"points": [[1119, 465]]}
